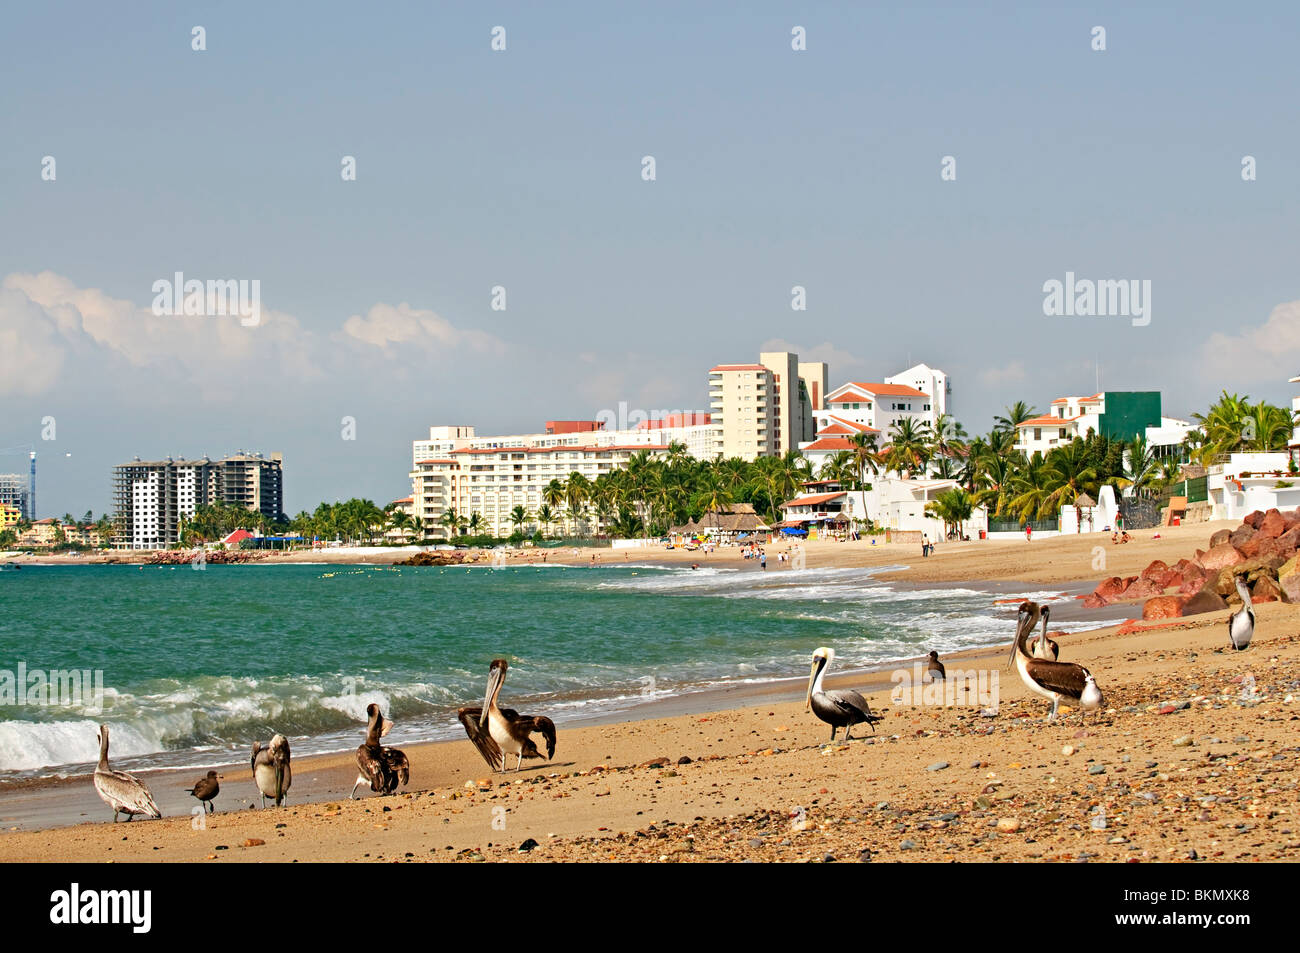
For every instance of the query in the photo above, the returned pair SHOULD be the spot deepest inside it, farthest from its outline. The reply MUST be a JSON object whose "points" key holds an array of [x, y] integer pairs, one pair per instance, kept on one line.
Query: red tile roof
{"points": [[849, 397], [1047, 419], [812, 500], [829, 443], [884, 390]]}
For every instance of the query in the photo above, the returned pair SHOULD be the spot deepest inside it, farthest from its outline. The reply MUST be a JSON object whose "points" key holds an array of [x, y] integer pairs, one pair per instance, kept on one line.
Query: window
{"points": [[1038, 433]]}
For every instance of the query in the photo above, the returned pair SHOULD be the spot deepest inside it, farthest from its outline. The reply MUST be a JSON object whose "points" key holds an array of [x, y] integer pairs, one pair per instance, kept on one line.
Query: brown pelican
{"points": [[1241, 624], [381, 768], [205, 790], [839, 709], [936, 670], [507, 731], [1041, 646], [271, 769], [1055, 681], [123, 792]]}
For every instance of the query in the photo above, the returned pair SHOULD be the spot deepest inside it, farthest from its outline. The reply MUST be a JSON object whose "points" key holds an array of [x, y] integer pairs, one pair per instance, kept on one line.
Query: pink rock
{"points": [[1163, 607], [1221, 556], [1272, 525]]}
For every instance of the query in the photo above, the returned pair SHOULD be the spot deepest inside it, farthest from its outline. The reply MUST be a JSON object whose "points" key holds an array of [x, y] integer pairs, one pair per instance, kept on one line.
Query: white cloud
{"points": [[54, 333], [1268, 352], [825, 352], [1011, 373], [385, 324]]}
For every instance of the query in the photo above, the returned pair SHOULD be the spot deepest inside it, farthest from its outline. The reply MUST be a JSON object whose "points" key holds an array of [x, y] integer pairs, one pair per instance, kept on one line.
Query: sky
{"points": [[522, 169]]}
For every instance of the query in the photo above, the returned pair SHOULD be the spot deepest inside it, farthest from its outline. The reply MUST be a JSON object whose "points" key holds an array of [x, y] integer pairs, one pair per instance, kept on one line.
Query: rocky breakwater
{"points": [[1262, 551], [445, 557]]}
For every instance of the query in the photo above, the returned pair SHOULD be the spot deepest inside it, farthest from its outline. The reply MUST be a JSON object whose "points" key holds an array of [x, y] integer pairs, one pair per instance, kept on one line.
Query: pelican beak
{"points": [[812, 676], [279, 779], [385, 727], [494, 679]]}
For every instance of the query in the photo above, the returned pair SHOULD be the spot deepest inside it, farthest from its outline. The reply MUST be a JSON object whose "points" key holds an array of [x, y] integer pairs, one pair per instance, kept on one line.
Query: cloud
{"points": [[57, 334], [385, 325], [1011, 373], [825, 353], [1270, 351]]}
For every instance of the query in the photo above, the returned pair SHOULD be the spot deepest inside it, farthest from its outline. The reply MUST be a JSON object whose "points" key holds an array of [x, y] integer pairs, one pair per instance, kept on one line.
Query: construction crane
{"points": [[30, 513]]}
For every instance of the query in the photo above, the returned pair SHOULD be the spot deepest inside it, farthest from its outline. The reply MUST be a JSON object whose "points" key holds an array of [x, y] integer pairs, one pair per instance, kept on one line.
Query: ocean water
{"points": [[198, 665]]}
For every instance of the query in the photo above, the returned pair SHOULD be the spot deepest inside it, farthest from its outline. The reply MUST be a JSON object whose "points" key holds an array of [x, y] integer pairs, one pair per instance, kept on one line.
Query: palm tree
{"points": [[452, 521], [1016, 415], [954, 508], [909, 449], [518, 517], [577, 490], [866, 456], [714, 498], [545, 516], [475, 523]]}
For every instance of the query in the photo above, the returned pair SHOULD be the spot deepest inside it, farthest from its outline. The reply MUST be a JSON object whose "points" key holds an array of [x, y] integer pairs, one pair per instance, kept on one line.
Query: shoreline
{"points": [[723, 784]]}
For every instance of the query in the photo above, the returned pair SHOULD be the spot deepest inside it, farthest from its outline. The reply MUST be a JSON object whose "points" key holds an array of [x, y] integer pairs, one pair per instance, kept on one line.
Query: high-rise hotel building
{"points": [[151, 497]]}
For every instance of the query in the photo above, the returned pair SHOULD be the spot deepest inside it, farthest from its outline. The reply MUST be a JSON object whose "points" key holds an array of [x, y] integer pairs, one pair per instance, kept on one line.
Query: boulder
{"points": [[1203, 601], [1288, 544], [1171, 578], [1109, 589], [1193, 581], [1093, 601], [1253, 519], [1240, 535], [1155, 570], [1220, 556], [1272, 525], [1143, 589], [1163, 607], [1290, 586], [1219, 538], [1266, 589]]}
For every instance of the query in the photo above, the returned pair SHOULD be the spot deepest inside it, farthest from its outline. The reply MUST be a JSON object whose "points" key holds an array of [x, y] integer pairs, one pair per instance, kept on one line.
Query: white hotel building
{"points": [[454, 469]]}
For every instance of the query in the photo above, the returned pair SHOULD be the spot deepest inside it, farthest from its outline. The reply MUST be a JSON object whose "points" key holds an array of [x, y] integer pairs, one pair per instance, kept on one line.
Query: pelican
{"points": [[1041, 646], [1055, 681], [124, 793], [271, 769], [205, 789], [936, 670], [839, 709], [381, 768], [1241, 624], [507, 731]]}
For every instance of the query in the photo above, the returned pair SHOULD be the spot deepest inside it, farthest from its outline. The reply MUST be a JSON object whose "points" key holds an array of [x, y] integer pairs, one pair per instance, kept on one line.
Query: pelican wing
{"points": [[533, 723], [126, 793], [396, 762], [489, 749], [849, 701], [1064, 678], [371, 765]]}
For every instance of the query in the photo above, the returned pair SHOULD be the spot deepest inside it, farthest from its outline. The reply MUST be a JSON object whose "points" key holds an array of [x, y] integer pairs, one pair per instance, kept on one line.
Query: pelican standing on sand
{"points": [[1241, 624], [838, 708], [205, 790], [381, 768], [1041, 646], [271, 769], [497, 732], [123, 792], [1055, 681]]}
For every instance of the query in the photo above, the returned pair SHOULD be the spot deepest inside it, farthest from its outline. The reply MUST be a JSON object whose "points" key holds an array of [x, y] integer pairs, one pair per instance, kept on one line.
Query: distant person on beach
{"points": [[1029, 533], [762, 560], [925, 547]]}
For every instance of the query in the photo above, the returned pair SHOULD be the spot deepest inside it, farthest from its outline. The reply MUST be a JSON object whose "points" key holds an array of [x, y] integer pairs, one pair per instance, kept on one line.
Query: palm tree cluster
{"points": [[1233, 424]]}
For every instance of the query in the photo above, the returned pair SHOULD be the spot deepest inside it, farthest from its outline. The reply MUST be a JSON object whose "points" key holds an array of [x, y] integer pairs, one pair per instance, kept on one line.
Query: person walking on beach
{"points": [[925, 546], [1029, 533], [762, 559]]}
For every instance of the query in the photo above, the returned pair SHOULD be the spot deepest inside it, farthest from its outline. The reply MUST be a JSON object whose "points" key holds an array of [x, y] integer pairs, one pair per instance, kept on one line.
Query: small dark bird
{"points": [[205, 790], [936, 668]]}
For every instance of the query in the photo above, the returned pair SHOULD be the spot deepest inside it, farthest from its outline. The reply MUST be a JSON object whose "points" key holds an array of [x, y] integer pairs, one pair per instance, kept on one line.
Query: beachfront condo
{"points": [[456, 471], [765, 409], [1120, 415], [151, 498]]}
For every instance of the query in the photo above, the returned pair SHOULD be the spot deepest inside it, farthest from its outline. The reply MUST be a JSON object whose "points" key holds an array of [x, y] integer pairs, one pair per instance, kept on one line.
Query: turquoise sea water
{"points": [[197, 665]]}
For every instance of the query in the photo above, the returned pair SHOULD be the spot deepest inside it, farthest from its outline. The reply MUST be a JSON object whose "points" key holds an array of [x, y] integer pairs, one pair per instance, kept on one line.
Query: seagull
{"points": [[206, 789], [936, 670], [124, 793], [1241, 624], [838, 708]]}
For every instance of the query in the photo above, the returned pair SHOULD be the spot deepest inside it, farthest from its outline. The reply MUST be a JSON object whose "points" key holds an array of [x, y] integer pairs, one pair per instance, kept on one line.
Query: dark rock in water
{"points": [[528, 845]]}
